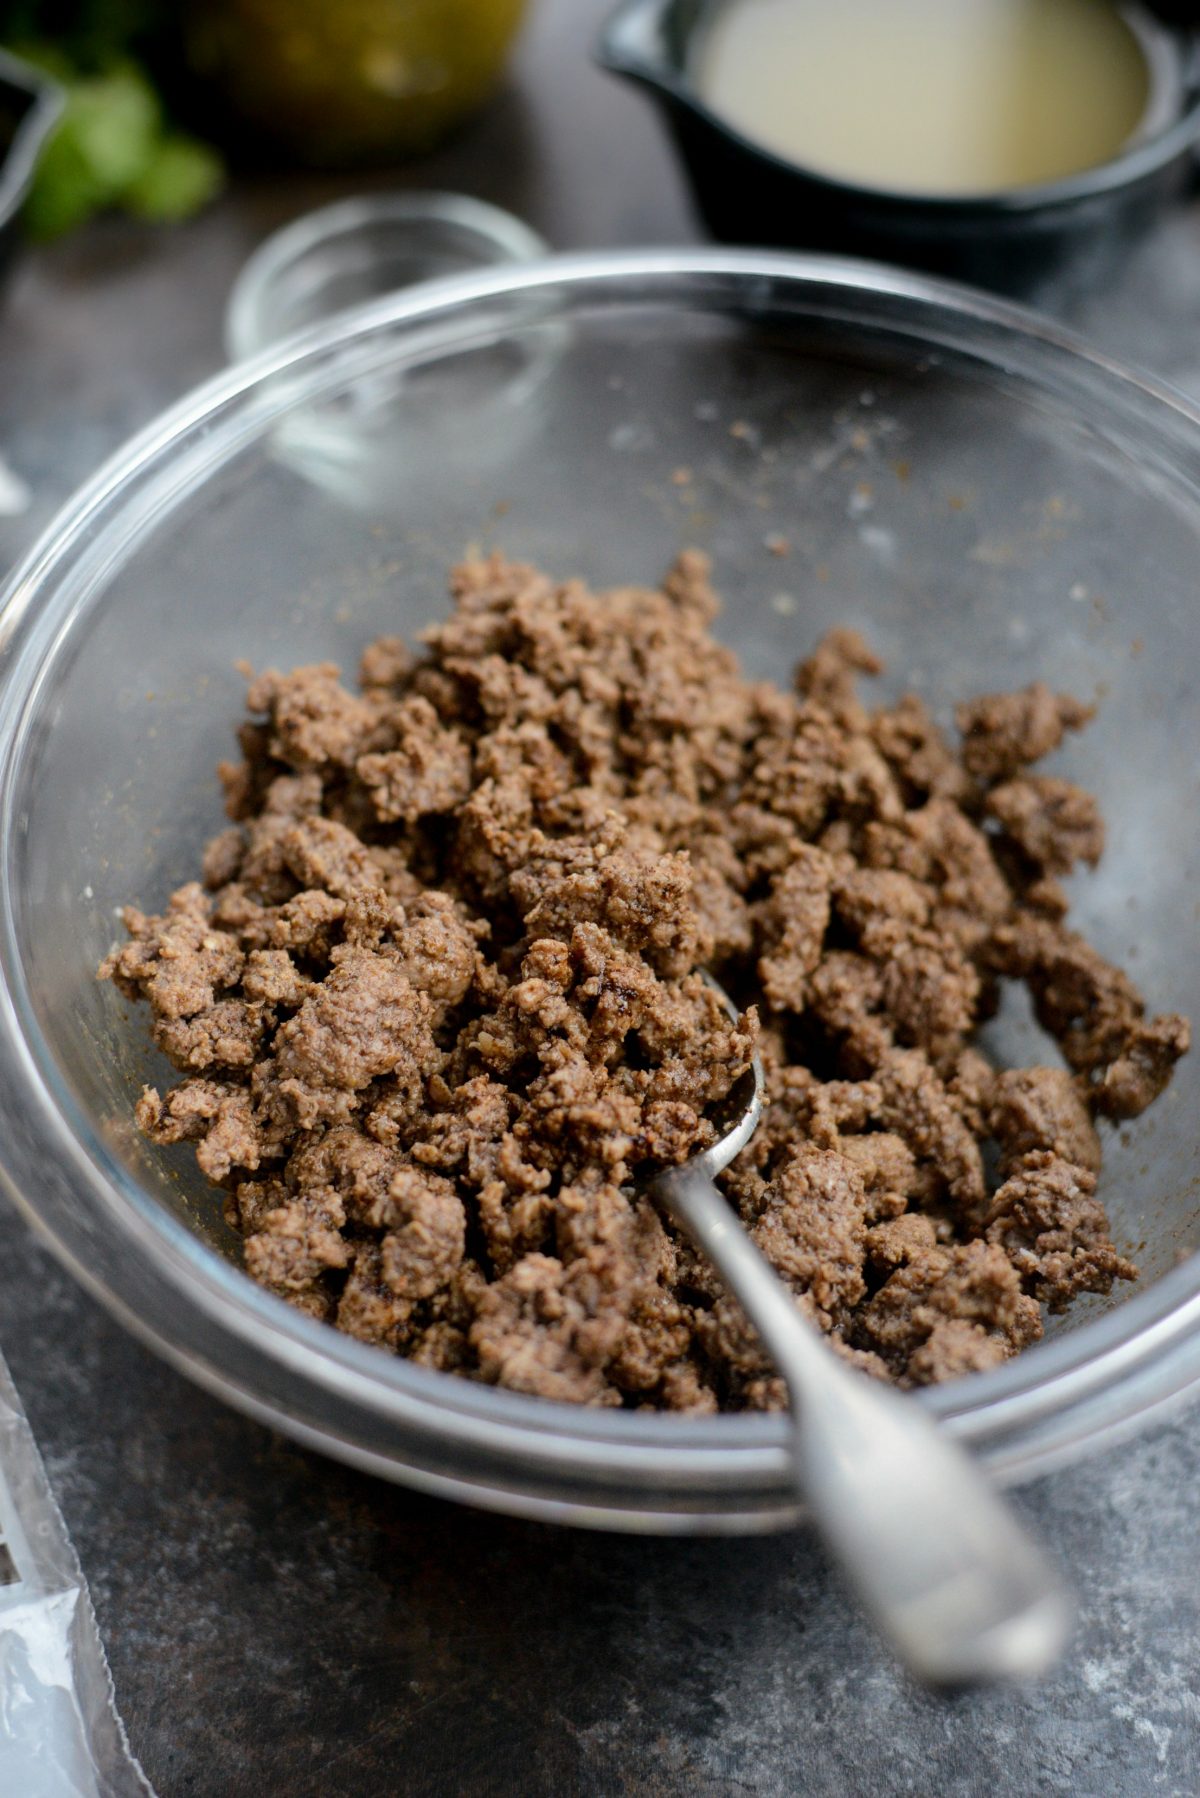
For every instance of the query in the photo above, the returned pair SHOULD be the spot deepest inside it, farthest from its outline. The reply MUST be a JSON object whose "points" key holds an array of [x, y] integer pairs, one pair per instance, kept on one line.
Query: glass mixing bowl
{"points": [[985, 497]]}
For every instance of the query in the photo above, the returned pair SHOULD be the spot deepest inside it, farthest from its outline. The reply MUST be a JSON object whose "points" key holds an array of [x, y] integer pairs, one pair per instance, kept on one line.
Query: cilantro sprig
{"points": [[114, 145]]}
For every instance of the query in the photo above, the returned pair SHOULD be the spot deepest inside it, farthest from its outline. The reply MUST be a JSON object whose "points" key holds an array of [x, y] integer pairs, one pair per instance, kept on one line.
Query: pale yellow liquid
{"points": [[928, 96]]}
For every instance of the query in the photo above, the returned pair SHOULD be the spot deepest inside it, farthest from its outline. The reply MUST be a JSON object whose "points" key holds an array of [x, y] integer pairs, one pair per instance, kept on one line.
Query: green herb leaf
{"points": [[112, 148], [182, 176], [104, 142]]}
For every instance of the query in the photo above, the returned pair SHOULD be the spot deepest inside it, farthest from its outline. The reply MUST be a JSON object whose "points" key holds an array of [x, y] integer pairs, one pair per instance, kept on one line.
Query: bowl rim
{"points": [[622, 49], [1058, 1397]]}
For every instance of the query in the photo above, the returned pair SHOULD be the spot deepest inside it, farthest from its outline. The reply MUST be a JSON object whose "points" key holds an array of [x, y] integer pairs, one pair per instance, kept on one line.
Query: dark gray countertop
{"points": [[278, 1625]]}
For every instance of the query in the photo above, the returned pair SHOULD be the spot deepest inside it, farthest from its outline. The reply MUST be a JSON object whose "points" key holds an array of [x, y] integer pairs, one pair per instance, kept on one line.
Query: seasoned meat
{"points": [[438, 1010]]}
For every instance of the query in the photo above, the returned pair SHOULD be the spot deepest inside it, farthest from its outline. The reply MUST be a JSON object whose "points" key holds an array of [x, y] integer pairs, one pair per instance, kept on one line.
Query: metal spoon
{"points": [[937, 1557]]}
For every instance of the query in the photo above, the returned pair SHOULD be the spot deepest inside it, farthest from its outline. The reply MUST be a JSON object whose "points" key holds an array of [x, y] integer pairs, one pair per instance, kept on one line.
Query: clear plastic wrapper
{"points": [[60, 1736]]}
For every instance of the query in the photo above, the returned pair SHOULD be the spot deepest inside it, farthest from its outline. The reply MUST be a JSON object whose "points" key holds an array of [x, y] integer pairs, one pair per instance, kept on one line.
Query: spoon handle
{"points": [[937, 1557]]}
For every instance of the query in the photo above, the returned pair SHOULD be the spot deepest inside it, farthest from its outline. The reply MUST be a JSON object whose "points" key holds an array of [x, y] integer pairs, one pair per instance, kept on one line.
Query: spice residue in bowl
{"points": [[933, 97], [437, 1006]]}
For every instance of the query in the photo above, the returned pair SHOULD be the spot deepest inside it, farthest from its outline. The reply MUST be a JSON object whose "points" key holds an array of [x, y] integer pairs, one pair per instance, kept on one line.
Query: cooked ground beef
{"points": [[438, 1008]]}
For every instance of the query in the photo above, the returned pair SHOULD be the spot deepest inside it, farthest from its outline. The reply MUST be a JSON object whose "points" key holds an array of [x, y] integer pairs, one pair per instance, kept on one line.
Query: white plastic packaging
{"points": [[60, 1736]]}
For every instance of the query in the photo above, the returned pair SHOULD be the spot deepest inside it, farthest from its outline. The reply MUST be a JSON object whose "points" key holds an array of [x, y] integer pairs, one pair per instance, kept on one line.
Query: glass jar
{"points": [[336, 83]]}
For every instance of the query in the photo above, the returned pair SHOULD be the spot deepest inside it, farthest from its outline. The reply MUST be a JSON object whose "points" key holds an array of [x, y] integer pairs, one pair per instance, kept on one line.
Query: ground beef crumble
{"points": [[438, 1010]]}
